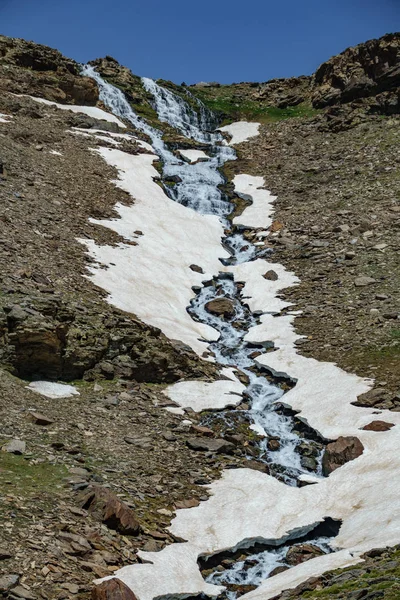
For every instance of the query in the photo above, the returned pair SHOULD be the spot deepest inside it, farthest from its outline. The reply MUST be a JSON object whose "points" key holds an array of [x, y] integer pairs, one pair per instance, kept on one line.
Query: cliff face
{"points": [[371, 69]]}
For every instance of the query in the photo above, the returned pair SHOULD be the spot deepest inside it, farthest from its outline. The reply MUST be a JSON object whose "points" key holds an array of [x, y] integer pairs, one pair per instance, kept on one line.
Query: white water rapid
{"points": [[198, 188]]}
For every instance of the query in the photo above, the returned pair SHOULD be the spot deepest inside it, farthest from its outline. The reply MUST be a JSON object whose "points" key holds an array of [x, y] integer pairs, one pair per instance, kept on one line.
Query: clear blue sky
{"points": [[202, 40]]}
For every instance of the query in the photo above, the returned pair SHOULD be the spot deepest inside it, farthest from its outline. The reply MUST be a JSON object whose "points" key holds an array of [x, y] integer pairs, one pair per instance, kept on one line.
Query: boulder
{"points": [[221, 307], [114, 513], [302, 553], [15, 447], [270, 275], [340, 452], [218, 446], [112, 589], [378, 426]]}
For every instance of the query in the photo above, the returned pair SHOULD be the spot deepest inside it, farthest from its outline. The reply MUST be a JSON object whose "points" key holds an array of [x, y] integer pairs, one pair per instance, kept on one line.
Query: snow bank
{"points": [[241, 131]]}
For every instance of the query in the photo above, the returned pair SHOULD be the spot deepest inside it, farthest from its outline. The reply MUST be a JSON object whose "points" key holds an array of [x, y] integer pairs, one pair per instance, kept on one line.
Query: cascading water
{"points": [[198, 189]]}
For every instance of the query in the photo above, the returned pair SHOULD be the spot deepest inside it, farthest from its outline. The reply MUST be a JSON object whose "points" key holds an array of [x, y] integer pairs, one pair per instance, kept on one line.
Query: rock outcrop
{"points": [[340, 452], [37, 70], [112, 589], [50, 338], [369, 69]]}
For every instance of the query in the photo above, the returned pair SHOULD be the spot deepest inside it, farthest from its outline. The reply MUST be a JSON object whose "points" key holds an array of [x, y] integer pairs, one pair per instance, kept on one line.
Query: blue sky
{"points": [[203, 40]]}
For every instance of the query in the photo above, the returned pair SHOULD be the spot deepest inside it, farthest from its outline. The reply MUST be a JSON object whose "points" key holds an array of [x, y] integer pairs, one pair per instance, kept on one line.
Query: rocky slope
{"points": [[336, 225]]}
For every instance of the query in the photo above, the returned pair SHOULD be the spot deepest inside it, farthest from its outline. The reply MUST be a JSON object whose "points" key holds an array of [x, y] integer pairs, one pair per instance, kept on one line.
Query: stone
{"points": [[301, 553], [8, 581], [104, 505], [5, 553], [270, 275], [278, 570], [378, 426], [218, 446], [273, 445], [221, 307], [15, 447], [112, 589], [40, 419], [190, 503], [372, 397], [363, 281], [196, 269], [201, 430], [24, 593], [340, 452]]}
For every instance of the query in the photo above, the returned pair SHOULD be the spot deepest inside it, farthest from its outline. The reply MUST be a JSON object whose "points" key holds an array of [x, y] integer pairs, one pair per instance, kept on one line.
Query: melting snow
{"points": [[5, 118], [53, 390], [91, 111], [193, 155], [258, 214], [241, 131]]}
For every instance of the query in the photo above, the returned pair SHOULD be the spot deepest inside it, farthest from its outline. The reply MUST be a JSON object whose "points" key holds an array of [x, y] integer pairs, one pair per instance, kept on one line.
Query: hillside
{"points": [[199, 338]]}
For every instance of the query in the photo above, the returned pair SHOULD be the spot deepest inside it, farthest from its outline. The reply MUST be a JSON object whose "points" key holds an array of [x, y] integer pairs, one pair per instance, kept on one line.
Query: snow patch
{"points": [[259, 213], [91, 111], [153, 280], [193, 155], [5, 118], [241, 131], [53, 390]]}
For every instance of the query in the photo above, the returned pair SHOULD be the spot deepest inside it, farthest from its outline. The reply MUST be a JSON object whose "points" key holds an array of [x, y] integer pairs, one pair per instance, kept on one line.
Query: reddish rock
{"points": [[105, 506], [340, 452], [378, 426], [218, 446], [112, 589]]}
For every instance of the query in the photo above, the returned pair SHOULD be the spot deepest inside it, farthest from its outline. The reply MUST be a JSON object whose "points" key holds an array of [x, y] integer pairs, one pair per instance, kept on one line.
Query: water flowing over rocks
{"points": [[259, 467]]}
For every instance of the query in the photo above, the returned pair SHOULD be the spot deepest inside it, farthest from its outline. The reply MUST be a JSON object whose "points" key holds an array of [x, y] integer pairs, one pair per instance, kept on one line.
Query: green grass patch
{"points": [[20, 476], [232, 108]]}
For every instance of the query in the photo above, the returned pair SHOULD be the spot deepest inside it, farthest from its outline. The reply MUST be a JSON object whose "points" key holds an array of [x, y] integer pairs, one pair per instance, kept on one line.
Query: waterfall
{"points": [[198, 189]]}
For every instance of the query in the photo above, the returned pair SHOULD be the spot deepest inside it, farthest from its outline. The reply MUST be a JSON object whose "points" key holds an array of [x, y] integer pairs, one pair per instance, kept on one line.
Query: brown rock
{"points": [[302, 553], [221, 306], [210, 445], [340, 452], [201, 430], [378, 426], [372, 397], [40, 419], [105, 505], [270, 275], [196, 268], [190, 503], [112, 589]]}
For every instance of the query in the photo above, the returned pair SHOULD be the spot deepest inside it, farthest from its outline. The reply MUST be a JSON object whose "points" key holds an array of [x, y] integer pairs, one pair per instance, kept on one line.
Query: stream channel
{"points": [[288, 450]]}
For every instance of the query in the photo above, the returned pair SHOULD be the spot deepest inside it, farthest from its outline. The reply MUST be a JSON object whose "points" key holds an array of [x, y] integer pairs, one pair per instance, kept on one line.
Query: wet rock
{"points": [[340, 452], [302, 553], [107, 508], [271, 275], [112, 589], [273, 445], [15, 447], [378, 426], [218, 446], [221, 306], [308, 462]]}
